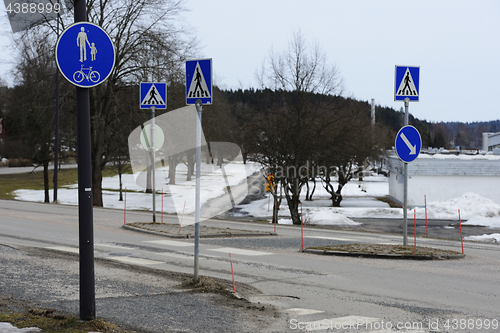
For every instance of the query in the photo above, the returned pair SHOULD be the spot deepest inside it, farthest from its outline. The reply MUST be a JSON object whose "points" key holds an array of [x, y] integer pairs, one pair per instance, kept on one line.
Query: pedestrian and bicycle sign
{"points": [[85, 54], [153, 94], [199, 81], [406, 85], [408, 143]]}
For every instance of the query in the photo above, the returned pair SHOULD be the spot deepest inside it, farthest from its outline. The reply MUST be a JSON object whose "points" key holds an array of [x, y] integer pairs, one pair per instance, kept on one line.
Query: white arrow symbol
{"points": [[413, 149]]}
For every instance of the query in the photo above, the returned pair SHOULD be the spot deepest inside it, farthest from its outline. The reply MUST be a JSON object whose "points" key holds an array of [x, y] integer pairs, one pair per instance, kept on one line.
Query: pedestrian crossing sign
{"points": [[407, 80], [153, 95], [199, 81]]}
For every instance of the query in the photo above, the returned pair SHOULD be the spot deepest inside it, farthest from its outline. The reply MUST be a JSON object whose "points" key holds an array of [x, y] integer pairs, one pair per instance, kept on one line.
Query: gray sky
{"points": [[456, 43]]}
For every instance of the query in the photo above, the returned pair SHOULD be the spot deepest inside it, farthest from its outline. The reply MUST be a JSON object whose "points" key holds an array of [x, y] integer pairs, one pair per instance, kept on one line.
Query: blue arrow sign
{"points": [[153, 95], [407, 83], [408, 143], [199, 81], [85, 54]]}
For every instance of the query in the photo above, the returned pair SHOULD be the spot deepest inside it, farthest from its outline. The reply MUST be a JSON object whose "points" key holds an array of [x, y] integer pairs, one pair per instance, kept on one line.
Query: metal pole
{"points": [[198, 193], [56, 144], [154, 159], [85, 200], [405, 199]]}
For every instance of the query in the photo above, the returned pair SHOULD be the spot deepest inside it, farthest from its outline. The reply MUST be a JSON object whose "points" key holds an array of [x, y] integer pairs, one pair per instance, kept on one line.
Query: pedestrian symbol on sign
{"points": [[409, 86], [407, 83], [198, 87], [153, 95]]}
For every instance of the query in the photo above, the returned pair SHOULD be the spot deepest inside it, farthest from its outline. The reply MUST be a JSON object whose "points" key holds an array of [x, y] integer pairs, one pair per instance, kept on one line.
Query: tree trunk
{"points": [[172, 165], [46, 180], [292, 198], [121, 185], [190, 165], [149, 187], [97, 184], [337, 197]]}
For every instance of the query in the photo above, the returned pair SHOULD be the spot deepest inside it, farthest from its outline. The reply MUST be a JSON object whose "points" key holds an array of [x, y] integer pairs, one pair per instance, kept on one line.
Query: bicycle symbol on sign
{"points": [[91, 75]]}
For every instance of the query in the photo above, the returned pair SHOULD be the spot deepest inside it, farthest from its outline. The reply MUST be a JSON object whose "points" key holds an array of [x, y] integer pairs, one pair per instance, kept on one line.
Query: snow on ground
{"points": [[471, 205], [8, 328], [359, 200], [484, 238]]}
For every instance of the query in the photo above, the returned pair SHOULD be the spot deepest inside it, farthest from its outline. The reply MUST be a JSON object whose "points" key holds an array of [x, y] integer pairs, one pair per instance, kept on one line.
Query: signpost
{"points": [[153, 96], [198, 92], [85, 55], [407, 88]]}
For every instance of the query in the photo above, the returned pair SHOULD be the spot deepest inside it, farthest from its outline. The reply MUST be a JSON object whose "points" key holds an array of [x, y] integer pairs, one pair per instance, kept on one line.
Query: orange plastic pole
{"points": [[426, 228], [301, 226], [125, 208], [232, 272], [415, 229], [461, 238]]}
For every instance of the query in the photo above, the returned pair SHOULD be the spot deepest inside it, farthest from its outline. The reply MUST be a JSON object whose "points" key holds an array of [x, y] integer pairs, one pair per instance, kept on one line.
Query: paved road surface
{"points": [[310, 291]]}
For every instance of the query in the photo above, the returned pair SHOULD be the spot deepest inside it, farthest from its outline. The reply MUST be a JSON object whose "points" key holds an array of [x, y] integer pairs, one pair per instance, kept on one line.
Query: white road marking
{"points": [[302, 312], [342, 322], [180, 256], [240, 251], [332, 238], [114, 246], [64, 249], [136, 261], [170, 243]]}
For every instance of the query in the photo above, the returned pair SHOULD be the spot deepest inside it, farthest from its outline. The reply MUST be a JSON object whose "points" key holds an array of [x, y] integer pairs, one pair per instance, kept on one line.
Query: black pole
{"points": [[85, 212], [56, 144]]}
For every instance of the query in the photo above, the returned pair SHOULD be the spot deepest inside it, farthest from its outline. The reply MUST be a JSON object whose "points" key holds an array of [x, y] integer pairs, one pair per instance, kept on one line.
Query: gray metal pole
{"points": [[405, 199], [85, 200], [198, 194], [154, 160]]}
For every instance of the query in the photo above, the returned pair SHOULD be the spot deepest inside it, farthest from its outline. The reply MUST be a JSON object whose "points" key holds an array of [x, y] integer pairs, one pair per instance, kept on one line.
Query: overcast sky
{"points": [[456, 44]]}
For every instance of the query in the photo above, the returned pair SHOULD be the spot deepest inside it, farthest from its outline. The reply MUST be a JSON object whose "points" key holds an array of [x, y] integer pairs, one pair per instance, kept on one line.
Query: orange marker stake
{"points": [[415, 229], [125, 208], [461, 238], [232, 272]]}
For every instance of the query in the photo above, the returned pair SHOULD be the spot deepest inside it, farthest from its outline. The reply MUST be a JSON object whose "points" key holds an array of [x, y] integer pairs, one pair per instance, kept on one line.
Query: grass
{"points": [[51, 322], [382, 249], [34, 180]]}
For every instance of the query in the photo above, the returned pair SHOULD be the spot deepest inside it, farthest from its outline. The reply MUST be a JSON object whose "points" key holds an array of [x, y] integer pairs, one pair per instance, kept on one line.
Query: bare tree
{"points": [[303, 86], [151, 45]]}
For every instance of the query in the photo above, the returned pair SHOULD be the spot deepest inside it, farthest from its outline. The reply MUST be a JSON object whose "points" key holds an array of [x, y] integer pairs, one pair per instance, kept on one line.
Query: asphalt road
{"points": [[309, 291]]}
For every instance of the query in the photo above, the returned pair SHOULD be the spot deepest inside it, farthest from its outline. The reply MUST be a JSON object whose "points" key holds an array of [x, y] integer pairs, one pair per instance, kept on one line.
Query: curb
{"points": [[385, 256], [221, 235]]}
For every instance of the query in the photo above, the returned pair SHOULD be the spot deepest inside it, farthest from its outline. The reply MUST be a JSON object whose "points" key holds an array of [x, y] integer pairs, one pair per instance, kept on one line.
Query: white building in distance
{"points": [[445, 176]]}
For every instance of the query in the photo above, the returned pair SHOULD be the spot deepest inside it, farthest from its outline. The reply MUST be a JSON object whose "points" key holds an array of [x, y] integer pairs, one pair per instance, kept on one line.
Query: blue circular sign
{"points": [[408, 143], [85, 54]]}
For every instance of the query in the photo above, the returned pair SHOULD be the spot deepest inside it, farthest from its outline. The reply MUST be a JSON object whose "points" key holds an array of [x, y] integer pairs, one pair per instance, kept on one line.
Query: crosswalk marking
{"points": [[341, 322], [302, 312], [180, 256], [170, 243], [240, 251], [64, 249], [136, 261], [115, 246], [331, 238]]}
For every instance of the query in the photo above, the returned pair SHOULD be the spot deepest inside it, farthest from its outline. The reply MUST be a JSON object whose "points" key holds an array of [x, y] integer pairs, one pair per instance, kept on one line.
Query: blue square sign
{"points": [[199, 81], [153, 94], [407, 83]]}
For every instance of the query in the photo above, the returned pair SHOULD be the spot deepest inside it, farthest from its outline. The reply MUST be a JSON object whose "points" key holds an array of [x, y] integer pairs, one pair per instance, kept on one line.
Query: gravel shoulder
{"points": [[134, 298]]}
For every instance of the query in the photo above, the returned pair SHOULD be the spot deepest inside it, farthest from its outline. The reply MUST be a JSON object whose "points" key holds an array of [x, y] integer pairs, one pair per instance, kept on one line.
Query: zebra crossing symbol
{"points": [[199, 81], [153, 95], [407, 83]]}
